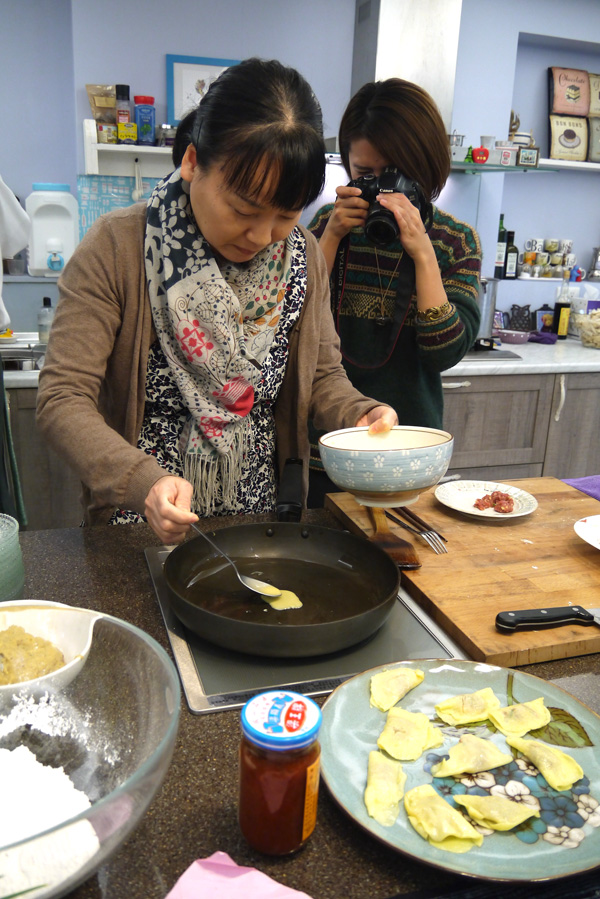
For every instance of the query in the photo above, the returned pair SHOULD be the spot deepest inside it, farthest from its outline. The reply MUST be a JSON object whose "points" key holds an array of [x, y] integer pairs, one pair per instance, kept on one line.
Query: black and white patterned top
{"points": [[165, 414]]}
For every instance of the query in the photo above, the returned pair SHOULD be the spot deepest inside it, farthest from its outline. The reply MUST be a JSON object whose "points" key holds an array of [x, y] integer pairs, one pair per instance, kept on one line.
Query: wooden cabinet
{"points": [[50, 488], [516, 426], [573, 447]]}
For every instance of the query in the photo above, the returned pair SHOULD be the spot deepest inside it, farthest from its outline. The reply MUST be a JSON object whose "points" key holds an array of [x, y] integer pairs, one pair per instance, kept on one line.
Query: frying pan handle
{"points": [[289, 498]]}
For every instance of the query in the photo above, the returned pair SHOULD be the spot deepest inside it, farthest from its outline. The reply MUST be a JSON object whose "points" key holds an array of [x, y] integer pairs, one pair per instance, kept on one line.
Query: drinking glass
{"points": [[12, 573]]}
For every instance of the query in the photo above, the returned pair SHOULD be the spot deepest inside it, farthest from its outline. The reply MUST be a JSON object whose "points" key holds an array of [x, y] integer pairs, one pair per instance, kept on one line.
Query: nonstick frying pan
{"points": [[347, 586]]}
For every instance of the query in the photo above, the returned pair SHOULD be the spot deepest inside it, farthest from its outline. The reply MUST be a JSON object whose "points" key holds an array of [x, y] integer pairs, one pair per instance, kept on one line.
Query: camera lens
{"points": [[381, 227]]}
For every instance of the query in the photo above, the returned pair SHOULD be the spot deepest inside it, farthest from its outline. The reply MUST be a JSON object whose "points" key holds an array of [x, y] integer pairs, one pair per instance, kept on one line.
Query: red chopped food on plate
{"points": [[498, 501]]}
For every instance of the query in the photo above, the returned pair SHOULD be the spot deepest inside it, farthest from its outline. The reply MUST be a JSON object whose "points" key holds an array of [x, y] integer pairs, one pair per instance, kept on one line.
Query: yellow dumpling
{"points": [[385, 788], [436, 821], [407, 735], [389, 686], [496, 812], [471, 755], [468, 707], [559, 769], [517, 720]]}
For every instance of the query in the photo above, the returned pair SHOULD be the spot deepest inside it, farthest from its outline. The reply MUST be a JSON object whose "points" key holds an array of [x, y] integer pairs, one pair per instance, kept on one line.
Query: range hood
{"points": [[417, 41]]}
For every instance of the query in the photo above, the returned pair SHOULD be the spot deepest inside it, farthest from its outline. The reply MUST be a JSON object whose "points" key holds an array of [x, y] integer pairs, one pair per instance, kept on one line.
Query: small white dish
{"points": [[461, 496], [68, 627], [589, 530]]}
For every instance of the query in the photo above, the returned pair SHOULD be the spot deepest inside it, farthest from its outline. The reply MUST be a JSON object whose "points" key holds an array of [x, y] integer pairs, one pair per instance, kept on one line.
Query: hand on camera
{"points": [[349, 211], [413, 235]]}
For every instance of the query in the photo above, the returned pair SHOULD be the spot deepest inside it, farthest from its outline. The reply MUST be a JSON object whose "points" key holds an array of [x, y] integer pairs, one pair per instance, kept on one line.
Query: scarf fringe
{"points": [[215, 477]]}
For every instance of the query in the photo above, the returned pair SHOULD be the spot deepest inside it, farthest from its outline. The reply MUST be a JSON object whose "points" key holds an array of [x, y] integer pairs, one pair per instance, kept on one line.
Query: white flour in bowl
{"points": [[36, 797]]}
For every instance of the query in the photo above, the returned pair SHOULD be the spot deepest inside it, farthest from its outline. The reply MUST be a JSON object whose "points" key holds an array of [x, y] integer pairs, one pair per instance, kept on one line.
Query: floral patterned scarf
{"points": [[215, 327]]}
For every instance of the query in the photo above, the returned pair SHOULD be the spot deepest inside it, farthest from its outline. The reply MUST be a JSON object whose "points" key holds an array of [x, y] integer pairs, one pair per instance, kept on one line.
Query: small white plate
{"points": [[461, 495], [589, 530]]}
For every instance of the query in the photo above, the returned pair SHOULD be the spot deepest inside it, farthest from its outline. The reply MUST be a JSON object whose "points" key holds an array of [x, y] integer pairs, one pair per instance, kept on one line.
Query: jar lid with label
{"points": [[281, 719]]}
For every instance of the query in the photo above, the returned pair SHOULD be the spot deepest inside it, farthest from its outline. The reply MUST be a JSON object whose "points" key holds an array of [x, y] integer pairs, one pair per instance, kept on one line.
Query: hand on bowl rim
{"points": [[380, 419]]}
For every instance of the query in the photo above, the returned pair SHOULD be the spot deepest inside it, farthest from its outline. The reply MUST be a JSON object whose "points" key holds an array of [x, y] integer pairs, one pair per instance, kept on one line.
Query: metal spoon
{"points": [[250, 582]]}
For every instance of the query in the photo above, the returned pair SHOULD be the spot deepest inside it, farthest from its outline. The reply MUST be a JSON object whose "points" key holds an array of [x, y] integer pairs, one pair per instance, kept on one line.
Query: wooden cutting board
{"points": [[521, 563]]}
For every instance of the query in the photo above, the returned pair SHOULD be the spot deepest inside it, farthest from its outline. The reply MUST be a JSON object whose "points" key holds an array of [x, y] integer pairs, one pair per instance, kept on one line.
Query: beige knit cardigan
{"points": [[92, 386]]}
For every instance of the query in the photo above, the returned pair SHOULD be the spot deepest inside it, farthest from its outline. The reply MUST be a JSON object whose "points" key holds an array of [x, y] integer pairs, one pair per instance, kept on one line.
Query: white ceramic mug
{"points": [[523, 139], [570, 260], [565, 246], [535, 243], [542, 258], [551, 245], [556, 258]]}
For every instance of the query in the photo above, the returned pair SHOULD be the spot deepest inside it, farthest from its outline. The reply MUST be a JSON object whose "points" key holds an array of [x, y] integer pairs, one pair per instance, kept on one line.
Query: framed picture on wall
{"points": [[188, 79]]}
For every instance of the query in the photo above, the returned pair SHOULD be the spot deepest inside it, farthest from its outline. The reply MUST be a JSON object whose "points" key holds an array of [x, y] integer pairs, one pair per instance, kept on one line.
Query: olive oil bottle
{"points": [[562, 312], [501, 249], [512, 257]]}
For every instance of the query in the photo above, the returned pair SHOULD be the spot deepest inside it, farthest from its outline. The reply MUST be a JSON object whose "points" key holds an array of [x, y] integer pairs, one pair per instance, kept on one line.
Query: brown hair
{"points": [[404, 125]]}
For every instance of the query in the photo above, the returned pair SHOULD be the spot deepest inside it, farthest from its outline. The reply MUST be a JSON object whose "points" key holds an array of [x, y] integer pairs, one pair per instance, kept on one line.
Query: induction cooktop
{"points": [[214, 678]]}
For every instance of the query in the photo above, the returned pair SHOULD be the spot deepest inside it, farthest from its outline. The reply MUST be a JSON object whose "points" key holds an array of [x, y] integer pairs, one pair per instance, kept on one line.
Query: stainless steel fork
{"points": [[413, 519], [432, 538]]}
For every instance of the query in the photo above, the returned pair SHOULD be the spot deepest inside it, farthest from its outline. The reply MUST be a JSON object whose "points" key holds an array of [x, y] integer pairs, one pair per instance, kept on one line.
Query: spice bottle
{"points": [[279, 771], [123, 106], [145, 119]]}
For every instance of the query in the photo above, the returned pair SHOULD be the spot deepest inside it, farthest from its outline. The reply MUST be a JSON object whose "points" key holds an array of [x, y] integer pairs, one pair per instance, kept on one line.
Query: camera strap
{"points": [[369, 342]]}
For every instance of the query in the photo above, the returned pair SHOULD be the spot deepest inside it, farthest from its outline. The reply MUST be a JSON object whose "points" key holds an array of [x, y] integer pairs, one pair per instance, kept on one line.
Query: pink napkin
{"points": [[219, 877]]}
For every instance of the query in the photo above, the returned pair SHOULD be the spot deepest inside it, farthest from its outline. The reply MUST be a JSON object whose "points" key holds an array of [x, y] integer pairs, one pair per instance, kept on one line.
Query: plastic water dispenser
{"points": [[54, 214]]}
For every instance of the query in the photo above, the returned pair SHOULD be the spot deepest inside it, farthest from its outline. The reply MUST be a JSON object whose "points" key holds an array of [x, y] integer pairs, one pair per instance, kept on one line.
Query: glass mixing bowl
{"points": [[112, 730]]}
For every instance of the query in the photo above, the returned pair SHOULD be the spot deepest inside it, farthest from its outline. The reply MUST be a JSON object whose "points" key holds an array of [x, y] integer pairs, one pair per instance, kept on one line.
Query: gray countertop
{"points": [[195, 813], [534, 358]]}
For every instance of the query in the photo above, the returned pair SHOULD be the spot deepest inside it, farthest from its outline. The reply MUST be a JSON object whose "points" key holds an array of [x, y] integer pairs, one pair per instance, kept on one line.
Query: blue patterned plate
{"points": [[564, 840]]}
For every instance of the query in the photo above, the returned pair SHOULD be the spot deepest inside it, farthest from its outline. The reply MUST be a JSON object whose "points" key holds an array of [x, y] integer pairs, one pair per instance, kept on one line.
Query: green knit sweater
{"points": [[410, 379]]}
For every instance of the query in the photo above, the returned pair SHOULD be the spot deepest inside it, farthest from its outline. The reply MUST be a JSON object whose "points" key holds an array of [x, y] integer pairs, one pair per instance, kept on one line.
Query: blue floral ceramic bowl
{"points": [[389, 469]]}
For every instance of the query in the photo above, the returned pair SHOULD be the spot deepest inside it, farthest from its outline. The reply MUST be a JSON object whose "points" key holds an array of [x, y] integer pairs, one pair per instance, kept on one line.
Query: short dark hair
{"points": [[258, 116], [402, 122]]}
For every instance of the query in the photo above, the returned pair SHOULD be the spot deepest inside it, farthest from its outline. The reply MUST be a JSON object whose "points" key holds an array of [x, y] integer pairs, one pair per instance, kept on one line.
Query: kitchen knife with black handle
{"points": [[534, 619]]}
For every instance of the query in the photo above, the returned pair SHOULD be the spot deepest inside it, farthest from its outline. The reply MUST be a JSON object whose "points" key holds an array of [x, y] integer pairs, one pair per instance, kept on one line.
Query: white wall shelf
{"points": [[544, 165], [563, 165], [119, 159]]}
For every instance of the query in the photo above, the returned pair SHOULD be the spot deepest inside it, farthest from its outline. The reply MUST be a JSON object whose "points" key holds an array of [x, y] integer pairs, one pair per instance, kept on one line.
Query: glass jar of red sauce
{"points": [[279, 771]]}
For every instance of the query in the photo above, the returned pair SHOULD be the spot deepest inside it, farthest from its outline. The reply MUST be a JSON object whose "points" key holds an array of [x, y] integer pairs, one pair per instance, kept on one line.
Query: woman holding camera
{"points": [[193, 337], [404, 275]]}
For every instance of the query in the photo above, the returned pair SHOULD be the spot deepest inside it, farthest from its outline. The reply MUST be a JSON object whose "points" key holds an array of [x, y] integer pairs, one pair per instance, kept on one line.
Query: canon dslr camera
{"points": [[381, 227]]}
